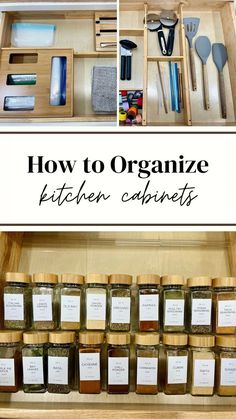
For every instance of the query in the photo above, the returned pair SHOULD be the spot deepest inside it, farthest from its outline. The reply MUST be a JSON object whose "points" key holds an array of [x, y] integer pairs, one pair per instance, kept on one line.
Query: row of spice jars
{"points": [[204, 306], [49, 362]]}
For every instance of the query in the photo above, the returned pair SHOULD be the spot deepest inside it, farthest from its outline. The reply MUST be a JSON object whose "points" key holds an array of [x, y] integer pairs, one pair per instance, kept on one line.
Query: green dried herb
{"points": [[12, 306], [35, 351], [47, 324], [200, 310], [120, 309], [61, 351]]}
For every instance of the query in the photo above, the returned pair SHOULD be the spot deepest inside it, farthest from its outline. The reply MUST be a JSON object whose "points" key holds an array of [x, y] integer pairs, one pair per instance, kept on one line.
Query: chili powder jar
{"points": [[200, 304], [118, 356], [225, 305], [70, 301], [226, 365], [34, 358], [148, 302], [175, 363], [147, 356], [10, 361], [202, 365], [120, 302], [90, 351], [174, 303], [44, 301]]}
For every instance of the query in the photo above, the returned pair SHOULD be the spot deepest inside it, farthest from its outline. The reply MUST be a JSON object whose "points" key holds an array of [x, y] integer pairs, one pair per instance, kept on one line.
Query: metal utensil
{"points": [[108, 44], [203, 48], [220, 57], [154, 25], [162, 87], [169, 20], [126, 58], [191, 25]]}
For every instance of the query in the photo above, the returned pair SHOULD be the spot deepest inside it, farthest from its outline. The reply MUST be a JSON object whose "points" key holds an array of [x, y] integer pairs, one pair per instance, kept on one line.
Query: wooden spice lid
{"points": [[172, 280], [199, 281], [61, 337], [175, 339], [151, 279], [46, 278], [17, 277], [35, 337], [201, 341], [9, 336], [227, 281], [96, 279], [91, 338], [226, 341], [147, 338], [120, 279], [118, 338], [72, 279]]}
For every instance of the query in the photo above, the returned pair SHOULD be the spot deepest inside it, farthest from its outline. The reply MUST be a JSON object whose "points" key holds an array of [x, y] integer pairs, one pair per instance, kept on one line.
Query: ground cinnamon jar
{"points": [[90, 349], [226, 365], [10, 361], [120, 302], [174, 303], [147, 355], [118, 356], [148, 302], [175, 363], [225, 305], [202, 365]]}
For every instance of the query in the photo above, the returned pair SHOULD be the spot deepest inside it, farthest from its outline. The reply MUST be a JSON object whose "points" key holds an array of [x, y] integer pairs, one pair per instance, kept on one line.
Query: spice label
{"points": [[147, 369], [89, 366], [120, 310], [96, 306], [42, 307], [58, 370], [70, 308], [13, 306], [204, 373], [33, 370], [7, 372], [228, 372], [118, 370], [149, 307], [227, 313], [174, 312], [201, 311], [177, 369]]}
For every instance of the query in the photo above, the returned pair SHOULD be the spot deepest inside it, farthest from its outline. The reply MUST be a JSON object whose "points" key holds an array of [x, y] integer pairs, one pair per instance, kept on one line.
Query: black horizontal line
{"points": [[118, 132]]}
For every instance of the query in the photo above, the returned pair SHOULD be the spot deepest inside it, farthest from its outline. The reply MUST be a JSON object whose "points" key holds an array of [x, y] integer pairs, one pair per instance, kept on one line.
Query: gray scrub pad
{"points": [[104, 96]]}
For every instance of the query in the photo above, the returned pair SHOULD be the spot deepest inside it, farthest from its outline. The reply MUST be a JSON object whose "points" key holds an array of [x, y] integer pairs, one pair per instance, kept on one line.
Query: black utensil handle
{"points": [[170, 41], [128, 67], [123, 67], [162, 42]]}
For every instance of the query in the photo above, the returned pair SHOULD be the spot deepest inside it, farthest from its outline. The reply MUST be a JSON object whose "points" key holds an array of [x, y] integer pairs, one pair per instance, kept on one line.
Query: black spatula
{"points": [[203, 48], [220, 58]]}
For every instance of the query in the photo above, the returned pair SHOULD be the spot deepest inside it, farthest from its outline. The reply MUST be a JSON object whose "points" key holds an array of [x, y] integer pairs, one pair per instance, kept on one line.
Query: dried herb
{"points": [[200, 310], [44, 308], [70, 297], [120, 308], [174, 308], [34, 368], [17, 306], [61, 362]]}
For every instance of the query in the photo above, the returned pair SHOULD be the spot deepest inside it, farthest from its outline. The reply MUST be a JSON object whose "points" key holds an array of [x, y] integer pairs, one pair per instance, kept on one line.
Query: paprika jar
{"points": [[44, 301], [120, 302], [10, 361], [174, 303], [118, 359], [202, 365], [70, 294], [226, 365], [96, 301], [147, 357], [148, 302], [225, 305], [175, 363], [200, 304], [34, 358]]}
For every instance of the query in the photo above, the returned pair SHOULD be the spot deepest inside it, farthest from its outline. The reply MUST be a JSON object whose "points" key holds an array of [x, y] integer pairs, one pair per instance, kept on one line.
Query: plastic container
{"points": [[32, 35], [58, 81]]}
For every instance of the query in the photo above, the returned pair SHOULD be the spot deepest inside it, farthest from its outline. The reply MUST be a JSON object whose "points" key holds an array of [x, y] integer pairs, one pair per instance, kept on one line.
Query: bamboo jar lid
{"points": [[226, 341], [30, 338], [91, 338], [118, 338], [96, 279], [120, 279], [172, 280], [72, 279], [147, 339], [8, 336], [199, 281], [17, 277], [228, 282], [175, 339], [61, 337], [201, 341], [45, 278], [151, 279]]}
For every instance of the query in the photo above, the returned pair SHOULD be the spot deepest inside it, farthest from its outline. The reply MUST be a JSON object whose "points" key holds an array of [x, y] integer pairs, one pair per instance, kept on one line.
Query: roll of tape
{"points": [[122, 116], [125, 106]]}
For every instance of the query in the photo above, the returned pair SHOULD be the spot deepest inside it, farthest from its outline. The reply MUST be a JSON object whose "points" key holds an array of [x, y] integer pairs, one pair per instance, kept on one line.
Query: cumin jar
{"points": [[148, 302], [70, 301], [147, 358], [34, 358], [226, 365], [17, 301], [174, 303], [225, 305], [200, 304], [44, 301], [120, 302], [90, 353], [118, 363], [10, 361], [175, 363], [96, 301], [202, 365]]}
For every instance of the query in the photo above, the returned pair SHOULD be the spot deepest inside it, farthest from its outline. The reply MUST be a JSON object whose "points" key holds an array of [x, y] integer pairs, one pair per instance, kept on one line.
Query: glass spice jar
{"points": [[70, 301], [202, 365], [118, 356], [120, 302], [174, 303], [148, 302], [17, 301], [147, 356], [96, 301], [175, 363], [61, 362], [10, 361], [90, 352], [226, 365], [34, 361], [44, 301], [200, 304], [225, 305]]}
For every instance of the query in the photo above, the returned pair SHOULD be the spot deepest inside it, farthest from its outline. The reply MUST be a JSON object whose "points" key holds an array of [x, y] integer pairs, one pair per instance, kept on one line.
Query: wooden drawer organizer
{"points": [[188, 253], [106, 30], [217, 21]]}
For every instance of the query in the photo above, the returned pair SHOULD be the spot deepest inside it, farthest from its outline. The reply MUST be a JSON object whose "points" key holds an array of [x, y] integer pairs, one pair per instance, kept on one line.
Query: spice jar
{"points": [[200, 304], [175, 363], [147, 355], [90, 350], [225, 305], [61, 362], [44, 301], [70, 301], [174, 297], [34, 362], [120, 302], [226, 365], [96, 301], [17, 301], [118, 355], [10, 361], [202, 365], [148, 302]]}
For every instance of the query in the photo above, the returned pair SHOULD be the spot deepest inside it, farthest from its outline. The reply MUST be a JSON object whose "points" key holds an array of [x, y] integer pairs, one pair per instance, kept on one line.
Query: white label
{"points": [[13, 307], [42, 307], [149, 307], [7, 372], [228, 372], [201, 311], [96, 306], [147, 371], [204, 373], [89, 367], [70, 308], [33, 370], [120, 310], [227, 313], [58, 370], [174, 313], [118, 371], [177, 369]]}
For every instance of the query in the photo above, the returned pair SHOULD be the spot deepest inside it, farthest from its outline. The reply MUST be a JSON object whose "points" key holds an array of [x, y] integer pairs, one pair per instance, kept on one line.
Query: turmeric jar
{"points": [[202, 365], [148, 302], [225, 305], [175, 363], [118, 360], [226, 365], [147, 356], [70, 301], [10, 361], [90, 353]]}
